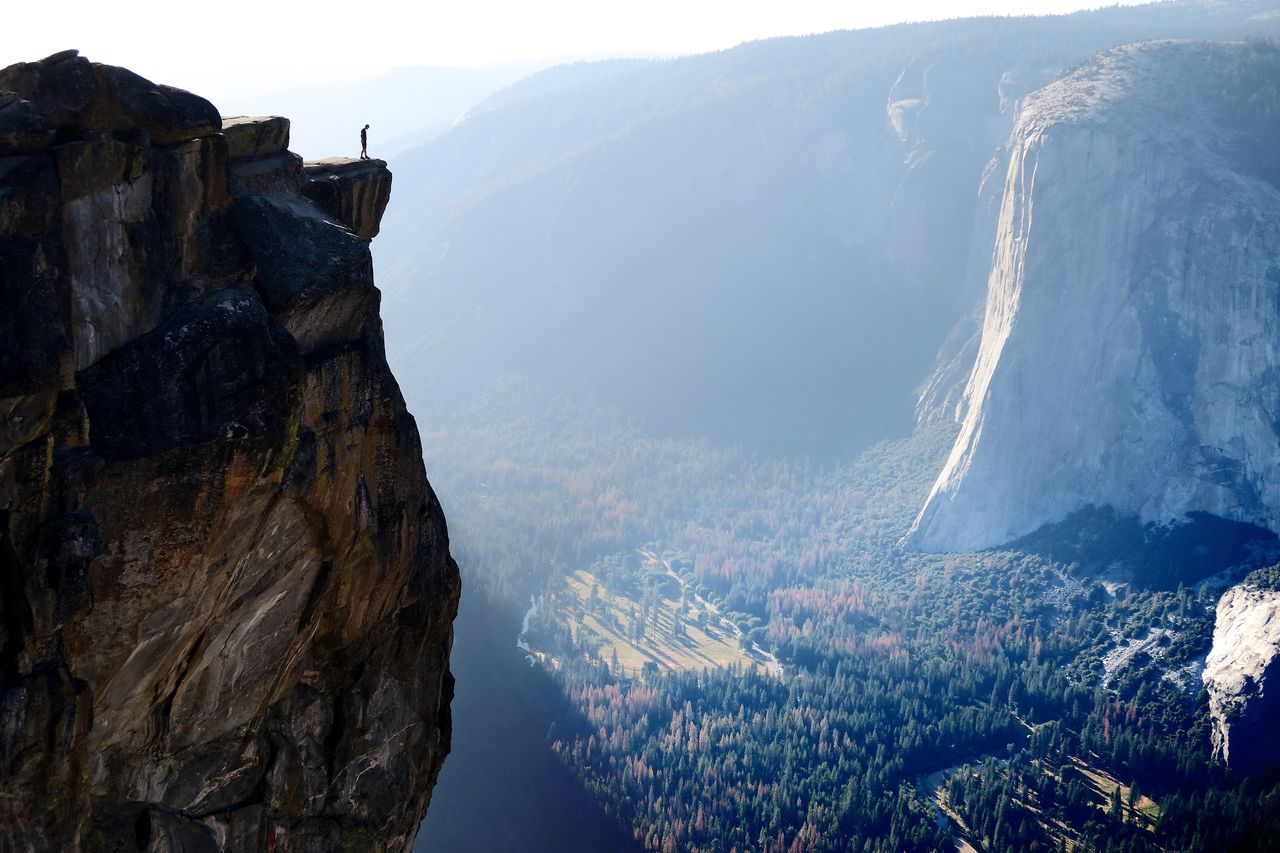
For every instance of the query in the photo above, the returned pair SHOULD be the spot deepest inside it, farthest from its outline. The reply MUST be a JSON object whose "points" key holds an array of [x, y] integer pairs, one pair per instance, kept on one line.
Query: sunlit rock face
{"points": [[227, 595], [1242, 676], [1130, 347]]}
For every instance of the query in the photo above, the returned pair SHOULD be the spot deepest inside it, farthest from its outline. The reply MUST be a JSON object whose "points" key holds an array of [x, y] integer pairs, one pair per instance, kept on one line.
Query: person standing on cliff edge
{"points": [[364, 142]]}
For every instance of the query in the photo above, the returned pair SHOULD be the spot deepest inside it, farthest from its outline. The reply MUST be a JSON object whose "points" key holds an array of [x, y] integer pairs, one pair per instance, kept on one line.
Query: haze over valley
{"points": [[766, 436], [692, 339]]}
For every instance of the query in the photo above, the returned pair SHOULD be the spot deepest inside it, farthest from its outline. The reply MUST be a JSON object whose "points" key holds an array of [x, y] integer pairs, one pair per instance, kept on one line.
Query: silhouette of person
{"points": [[364, 142]]}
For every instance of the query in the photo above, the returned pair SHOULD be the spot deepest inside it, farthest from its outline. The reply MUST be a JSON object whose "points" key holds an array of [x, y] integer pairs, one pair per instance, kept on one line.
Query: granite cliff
{"points": [[1128, 355], [1241, 675], [227, 595], [1130, 348]]}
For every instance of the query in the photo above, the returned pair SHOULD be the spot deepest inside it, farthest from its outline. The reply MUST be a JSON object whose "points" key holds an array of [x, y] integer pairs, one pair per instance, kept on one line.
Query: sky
{"points": [[275, 44]]}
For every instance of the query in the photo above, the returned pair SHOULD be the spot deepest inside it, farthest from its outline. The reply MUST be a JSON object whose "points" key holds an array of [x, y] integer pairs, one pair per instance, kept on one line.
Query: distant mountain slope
{"points": [[765, 245], [1129, 350]]}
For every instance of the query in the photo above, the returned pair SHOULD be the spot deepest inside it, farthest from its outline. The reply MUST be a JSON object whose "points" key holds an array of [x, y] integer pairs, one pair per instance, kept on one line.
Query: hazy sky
{"points": [[196, 45]]}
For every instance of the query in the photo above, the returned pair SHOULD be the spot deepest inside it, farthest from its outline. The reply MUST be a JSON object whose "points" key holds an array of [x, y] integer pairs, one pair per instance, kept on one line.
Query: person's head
{"points": [[366, 127]]}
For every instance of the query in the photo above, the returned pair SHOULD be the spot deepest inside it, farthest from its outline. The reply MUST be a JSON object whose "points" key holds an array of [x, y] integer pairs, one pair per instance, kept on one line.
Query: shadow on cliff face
{"points": [[503, 789], [1155, 556]]}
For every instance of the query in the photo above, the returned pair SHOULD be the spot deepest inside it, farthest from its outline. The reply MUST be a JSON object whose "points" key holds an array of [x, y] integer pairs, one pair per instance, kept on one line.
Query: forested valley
{"points": [[688, 344], [924, 697]]}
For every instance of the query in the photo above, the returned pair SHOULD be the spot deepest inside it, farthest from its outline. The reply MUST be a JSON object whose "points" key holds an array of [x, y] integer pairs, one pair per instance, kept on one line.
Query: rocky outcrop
{"points": [[67, 95], [1129, 353], [354, 192], [259, 158], [1242, 677], [226, 595], [255, 136]]}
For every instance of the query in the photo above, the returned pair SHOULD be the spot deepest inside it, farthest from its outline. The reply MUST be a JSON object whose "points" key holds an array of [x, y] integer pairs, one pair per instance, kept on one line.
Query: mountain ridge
{"points": [[798, 187]]}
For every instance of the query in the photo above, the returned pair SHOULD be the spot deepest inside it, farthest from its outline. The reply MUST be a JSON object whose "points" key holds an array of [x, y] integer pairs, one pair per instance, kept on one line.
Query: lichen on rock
{"points": [[226, 595]]}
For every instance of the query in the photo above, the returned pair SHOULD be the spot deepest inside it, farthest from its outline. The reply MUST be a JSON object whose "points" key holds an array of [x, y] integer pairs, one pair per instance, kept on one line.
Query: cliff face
{"points": [[1241, 675], [1129, 353], [226, 584]]}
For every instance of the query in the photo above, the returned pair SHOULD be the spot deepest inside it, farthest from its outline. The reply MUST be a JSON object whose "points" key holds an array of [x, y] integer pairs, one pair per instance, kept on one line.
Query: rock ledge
{"points": [[355, 192]]}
